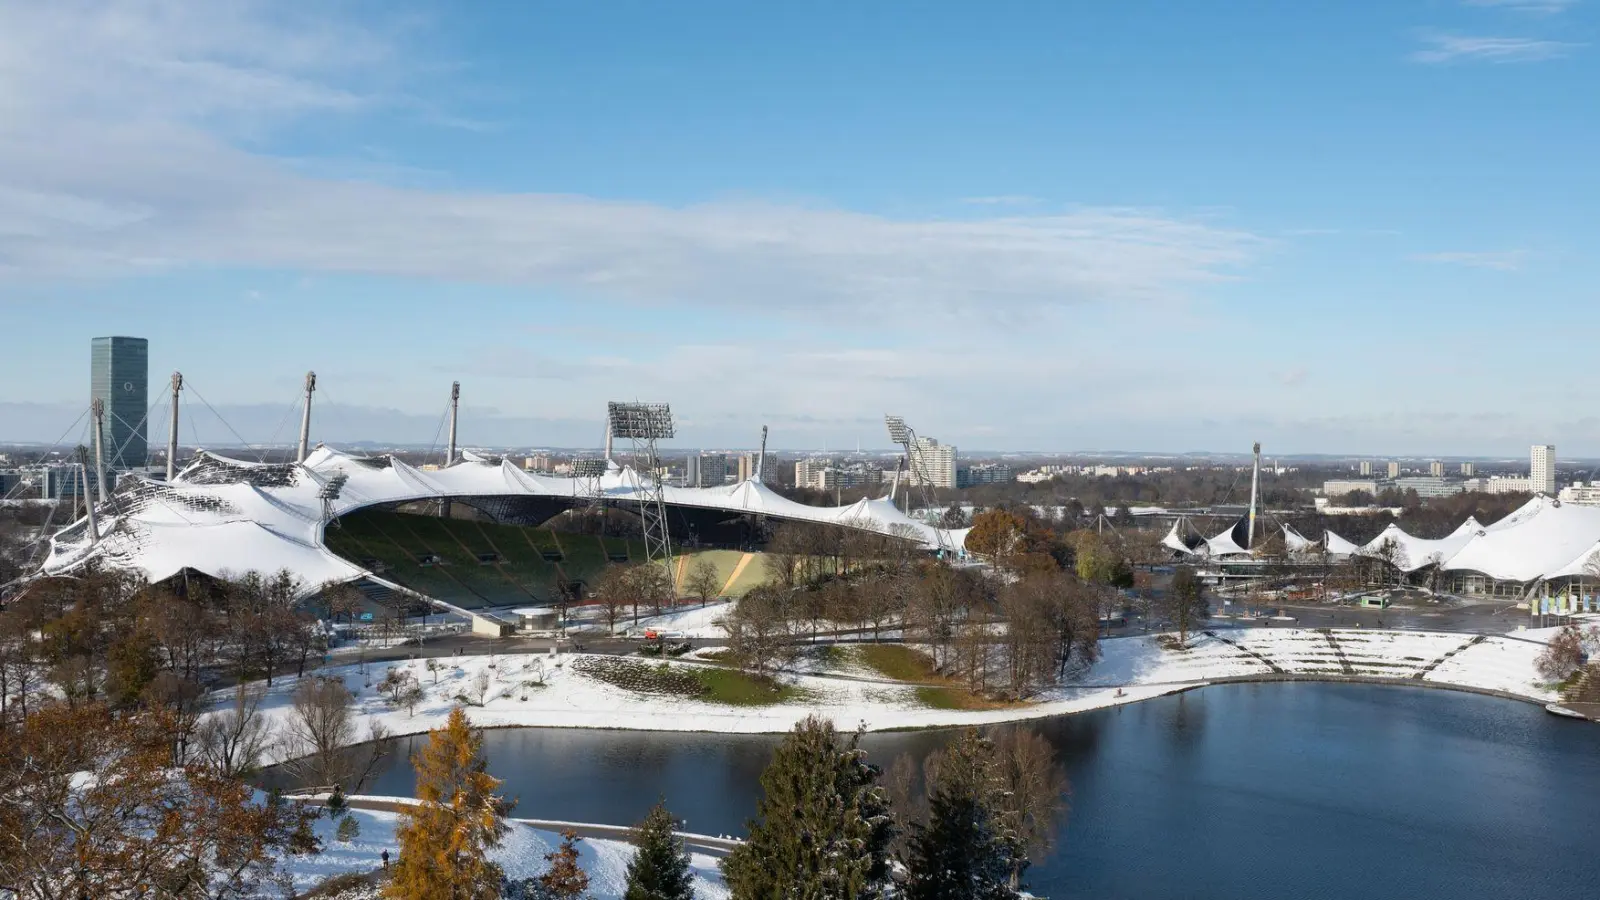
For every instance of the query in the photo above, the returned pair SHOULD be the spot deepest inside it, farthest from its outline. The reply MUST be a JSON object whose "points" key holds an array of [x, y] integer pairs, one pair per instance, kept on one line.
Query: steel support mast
{"points": [[172, 431], [1255, 484], [97, 411], [305, 419], [455, 411]]}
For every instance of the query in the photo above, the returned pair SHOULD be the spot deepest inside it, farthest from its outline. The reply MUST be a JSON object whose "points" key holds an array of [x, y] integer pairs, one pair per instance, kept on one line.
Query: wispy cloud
{"points": [[1500, 261], [1535, 7], [1002, 200], [118, 154], [1449, 48]]}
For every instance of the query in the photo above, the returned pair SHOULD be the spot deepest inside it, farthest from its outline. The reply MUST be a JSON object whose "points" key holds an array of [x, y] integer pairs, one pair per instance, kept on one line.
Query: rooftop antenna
{"points": [[644, 424], [761, 458], [455, 411], [172, 432], [1255, 480], [305, 418]]}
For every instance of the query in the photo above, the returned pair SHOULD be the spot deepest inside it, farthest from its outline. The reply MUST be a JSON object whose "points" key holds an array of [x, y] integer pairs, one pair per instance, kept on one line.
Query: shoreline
{"points": [[1130, 670]]}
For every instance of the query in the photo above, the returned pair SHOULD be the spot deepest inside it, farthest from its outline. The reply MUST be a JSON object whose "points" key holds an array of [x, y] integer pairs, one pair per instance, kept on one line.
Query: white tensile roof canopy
{"points": [[225, 516]]}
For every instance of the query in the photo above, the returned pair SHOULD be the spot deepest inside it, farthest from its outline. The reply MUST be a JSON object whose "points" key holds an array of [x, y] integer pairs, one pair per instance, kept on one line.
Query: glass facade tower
{"points": [[119, 376]]}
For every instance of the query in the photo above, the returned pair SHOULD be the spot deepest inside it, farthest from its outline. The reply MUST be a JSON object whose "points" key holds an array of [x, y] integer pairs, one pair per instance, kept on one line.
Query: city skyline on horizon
{"points": [[1332, 230]]}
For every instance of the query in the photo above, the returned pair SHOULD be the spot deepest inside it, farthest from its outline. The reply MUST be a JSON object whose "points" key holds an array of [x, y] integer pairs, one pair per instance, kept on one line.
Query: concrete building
{"points": [[539, 463], [1394, 470], [1581, 493], [1498, 485], [1542, 469], [812, 473], [1338, 487], [1428, 485], [1366, 468], [1468, 470], [705, 470], [746, 464], [1436, 469], [984, 473], [119, 377], [937, 460]]}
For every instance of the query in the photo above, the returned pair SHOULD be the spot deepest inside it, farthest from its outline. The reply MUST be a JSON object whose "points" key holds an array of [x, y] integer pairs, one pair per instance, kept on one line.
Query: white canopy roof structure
{"points": [[1226, 543], [1295, 542], [1413, 553], [1547, 539], [226, 516], [1338, 546]]}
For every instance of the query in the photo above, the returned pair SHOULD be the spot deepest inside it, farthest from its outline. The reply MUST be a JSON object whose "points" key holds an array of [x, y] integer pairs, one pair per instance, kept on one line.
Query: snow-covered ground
{"points": [[521, 855], [1130, 669]]}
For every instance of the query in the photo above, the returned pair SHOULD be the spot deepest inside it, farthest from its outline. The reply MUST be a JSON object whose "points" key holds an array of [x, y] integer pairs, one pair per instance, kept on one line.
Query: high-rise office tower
{"points": [[119, 377], [1542, 469]]}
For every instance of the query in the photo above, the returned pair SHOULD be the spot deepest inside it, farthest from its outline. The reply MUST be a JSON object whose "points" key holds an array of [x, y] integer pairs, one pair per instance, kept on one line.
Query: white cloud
{"points": [[1499, 260], [1536, 7], [1448, 48], [124, 147]]}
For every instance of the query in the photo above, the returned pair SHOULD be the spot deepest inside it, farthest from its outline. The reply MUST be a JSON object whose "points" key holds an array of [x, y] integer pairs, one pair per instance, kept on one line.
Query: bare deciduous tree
{"points": [[231, 742]]}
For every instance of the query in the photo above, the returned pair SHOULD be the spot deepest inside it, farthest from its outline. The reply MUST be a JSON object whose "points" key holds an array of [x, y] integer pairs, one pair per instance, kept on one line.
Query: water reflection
{"points": [[1244, 791]]}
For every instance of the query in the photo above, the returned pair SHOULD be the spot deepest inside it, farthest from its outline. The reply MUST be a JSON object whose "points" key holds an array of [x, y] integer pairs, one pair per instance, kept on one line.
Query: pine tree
{"points": [[349, 829], [966, 851], [445, 839], [824, 826], [660, 869], [565, 879]]}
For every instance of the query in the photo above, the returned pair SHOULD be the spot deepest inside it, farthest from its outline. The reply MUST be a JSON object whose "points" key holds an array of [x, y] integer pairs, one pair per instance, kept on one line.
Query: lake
{"points": [[1240, 791]]}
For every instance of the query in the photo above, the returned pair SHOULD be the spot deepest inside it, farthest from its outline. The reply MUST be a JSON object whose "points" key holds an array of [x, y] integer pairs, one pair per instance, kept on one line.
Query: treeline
{"points": [[1009, 630], [1433, 518]]}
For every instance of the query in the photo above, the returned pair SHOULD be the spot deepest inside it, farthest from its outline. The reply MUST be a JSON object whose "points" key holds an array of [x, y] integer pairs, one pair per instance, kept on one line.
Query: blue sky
{"points": [[1364, 227]]}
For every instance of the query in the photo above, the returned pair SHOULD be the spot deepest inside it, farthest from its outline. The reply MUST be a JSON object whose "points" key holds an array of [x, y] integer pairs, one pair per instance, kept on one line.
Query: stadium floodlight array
{"points": [[588, 468], [898, 432], [640, 421], [330, 492]]}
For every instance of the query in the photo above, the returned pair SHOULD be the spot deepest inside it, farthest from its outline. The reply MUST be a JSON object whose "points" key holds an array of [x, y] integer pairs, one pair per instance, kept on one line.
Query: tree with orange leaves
{"points": [[445, 839]]}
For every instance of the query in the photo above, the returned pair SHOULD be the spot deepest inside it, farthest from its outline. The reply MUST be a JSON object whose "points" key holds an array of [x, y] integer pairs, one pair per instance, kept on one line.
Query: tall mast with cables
{"points": [[305, 418], [761, 459], [1255, 481], [172, 432], [97, 411], [88, 499], [455, 409]]}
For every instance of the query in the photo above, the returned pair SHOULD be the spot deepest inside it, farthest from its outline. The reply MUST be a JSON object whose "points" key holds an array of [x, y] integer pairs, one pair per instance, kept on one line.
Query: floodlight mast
{"points": [[644, 424], [906, 437]]}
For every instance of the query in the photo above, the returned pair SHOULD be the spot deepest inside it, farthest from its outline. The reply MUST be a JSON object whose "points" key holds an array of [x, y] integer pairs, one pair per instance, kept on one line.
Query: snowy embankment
{"points": [[1130, 669], [521, 855]]}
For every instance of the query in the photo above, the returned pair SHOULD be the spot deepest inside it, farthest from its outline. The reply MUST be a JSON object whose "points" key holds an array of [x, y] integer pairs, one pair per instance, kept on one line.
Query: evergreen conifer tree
{"points": [[824, 826], [445, 839], [967, 850], [660, 869]]}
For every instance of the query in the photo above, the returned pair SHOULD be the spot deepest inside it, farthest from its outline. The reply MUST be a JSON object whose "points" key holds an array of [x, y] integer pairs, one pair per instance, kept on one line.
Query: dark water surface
{"points": [[1241, 791]]}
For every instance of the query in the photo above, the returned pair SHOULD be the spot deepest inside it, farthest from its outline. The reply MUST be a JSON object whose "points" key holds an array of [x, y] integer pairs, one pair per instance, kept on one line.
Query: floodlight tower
{"points": [[644, 424], [906, 437], [330, 492], [586, 475]]}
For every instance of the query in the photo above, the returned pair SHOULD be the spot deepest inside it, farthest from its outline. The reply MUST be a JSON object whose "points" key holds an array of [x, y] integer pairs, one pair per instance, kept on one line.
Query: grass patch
{"points": [[737, 688], [719, 657], [897, 661], [957, 698]]}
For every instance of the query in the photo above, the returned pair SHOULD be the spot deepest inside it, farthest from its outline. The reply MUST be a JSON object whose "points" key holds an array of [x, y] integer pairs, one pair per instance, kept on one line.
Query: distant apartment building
{"points": [[1338, 487], [746, 467], [1581, 493], [1542, 469], [1044, 473], [937, 461], [1366, 468], [1508, 484], [705, 470], [1468, 470], [825, 475], [1394, 470], [1428, 486], [812, 473], [1436, 469], [984, 473], [538, 463]]}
